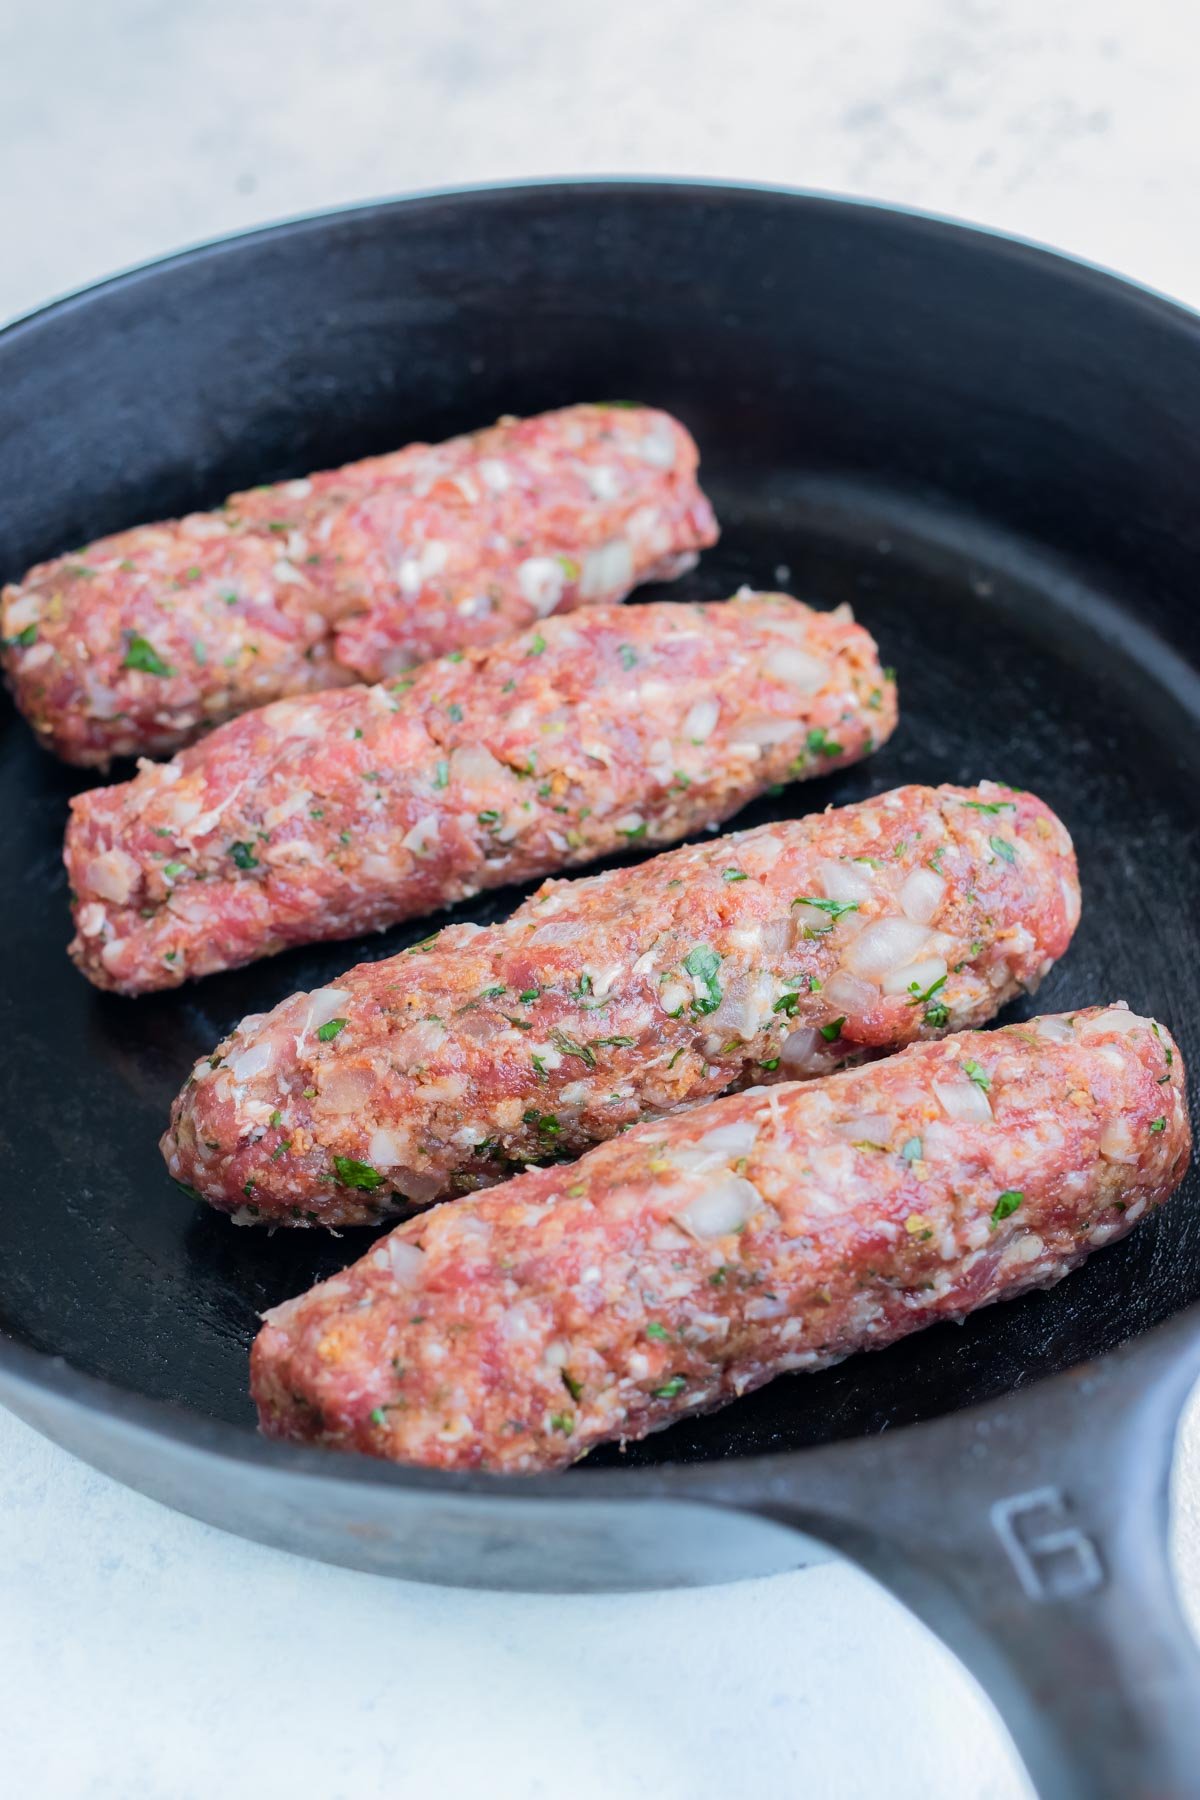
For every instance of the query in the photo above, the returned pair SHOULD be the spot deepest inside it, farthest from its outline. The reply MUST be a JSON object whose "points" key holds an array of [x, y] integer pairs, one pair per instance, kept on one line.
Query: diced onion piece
{"points": [[866, 1128], [725, 1206], [885, 945], [473, 766], [964, 1101], [113, 876], [847, 882], [252, 1061], [701, 720], [659, 447], [92, 919], [804, 1050], [815, 919], [736, 1139], [420, 1189], [495, 475], [1054, 1029], [384, 1150], [763, 733], [324, 1004], [422, 835], [1116, 1142], [918, 975], [1116, 1018], [921, 895], [774, 937], [850, 994], [417, 1043], [799, 669], [745, 1004], [608, 570], [403, 1261], [541, 579], [347, 1090], [558, 931], [673, 996]]}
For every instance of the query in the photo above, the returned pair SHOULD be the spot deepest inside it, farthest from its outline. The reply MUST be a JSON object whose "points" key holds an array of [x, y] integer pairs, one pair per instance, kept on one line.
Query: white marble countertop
{"points": [[143, 1654]]}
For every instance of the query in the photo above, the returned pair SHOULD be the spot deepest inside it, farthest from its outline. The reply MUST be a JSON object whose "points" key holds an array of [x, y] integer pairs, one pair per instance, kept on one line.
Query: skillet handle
{"points": [[1032, 1536]]}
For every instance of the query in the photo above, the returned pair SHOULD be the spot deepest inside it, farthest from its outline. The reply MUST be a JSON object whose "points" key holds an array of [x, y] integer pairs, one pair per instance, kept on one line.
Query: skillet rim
{"points": [[22, 1367]]}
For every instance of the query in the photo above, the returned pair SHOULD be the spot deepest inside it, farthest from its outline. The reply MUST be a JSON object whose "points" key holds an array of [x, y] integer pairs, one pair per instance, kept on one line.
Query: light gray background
{"points": [[142, 1654]]}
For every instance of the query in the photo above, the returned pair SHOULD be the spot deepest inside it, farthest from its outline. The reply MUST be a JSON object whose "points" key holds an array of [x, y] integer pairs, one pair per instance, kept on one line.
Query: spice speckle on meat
{"points": [[696, 1258], [784, 951], [325, 817], [142, 641]]}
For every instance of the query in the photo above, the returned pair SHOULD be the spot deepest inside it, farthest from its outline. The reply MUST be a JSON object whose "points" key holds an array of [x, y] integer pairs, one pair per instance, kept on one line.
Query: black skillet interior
{"points": [[985, 450]]}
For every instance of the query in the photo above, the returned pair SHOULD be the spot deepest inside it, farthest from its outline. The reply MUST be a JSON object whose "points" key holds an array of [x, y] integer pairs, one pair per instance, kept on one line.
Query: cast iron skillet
{"points": [[992, 453]]}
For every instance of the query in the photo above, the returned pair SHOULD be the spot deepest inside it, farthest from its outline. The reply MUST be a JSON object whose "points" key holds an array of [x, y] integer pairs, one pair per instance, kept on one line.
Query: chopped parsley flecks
{"points": [[140, 654], [835, 908], [573, 1387], [354, 1174], [537, 644], [568, 1047], [330, 1029], [670, 1388], [1006, 1205], [911, 1150], [655, 1330], [243, 856], [937, 1013], [563, 1422], [627, 654], [991, 806], [546, 1123], [1167, 1052], [1158, 1124], [833, 1030], [529, 996], [978, 1074], [734, 875], [821, 744], [703, 963], [1003, 849]]}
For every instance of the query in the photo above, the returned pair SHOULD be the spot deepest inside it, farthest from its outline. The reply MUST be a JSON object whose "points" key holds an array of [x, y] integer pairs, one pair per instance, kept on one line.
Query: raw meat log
{"points": [[141, 641], [321, 818], [698, 1257], [783, 951]]}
